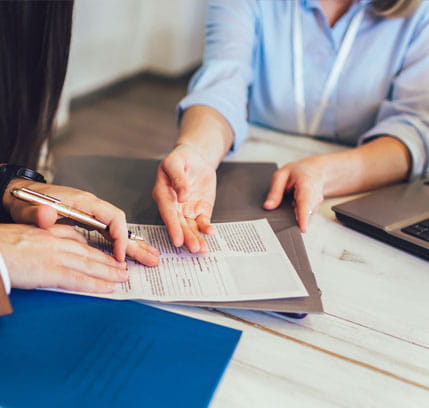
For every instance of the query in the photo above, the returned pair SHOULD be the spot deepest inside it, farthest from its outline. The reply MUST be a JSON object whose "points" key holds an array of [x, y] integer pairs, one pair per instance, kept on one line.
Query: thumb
{"points": [[177, 176], [180, 186], [42, 216]]}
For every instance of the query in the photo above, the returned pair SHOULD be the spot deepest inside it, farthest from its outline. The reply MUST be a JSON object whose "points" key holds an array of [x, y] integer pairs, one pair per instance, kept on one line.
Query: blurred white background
{"points": [[113, 39]]}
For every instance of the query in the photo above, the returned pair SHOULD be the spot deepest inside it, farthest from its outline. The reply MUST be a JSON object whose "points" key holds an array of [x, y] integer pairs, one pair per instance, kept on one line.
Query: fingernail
{"points": [[269, 203], [150, 260], [154, 260]]}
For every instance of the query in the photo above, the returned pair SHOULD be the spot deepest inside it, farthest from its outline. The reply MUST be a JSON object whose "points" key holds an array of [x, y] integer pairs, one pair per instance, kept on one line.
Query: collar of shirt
{"points": [[337, 32]]}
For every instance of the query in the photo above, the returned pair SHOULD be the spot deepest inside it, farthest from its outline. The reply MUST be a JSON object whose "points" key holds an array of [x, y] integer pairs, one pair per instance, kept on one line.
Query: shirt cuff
{"points": [[4, 274], [239, 127], [411, 133]]}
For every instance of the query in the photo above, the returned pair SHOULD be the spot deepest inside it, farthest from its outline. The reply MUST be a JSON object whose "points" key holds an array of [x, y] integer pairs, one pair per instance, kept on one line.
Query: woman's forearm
{"points": [[384, 160], [206, 129]]}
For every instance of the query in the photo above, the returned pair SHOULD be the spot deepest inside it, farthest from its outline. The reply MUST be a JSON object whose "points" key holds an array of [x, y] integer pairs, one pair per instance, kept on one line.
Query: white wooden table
{"points": [[371, 346]]}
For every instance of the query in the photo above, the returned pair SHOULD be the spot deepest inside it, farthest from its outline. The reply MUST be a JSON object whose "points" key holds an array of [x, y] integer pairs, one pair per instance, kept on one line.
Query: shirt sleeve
{"points": [[4, 275], [405, 114], [223, 80]]}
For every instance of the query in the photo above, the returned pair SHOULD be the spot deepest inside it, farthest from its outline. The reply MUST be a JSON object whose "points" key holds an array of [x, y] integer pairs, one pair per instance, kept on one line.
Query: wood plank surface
{"points": [[272, 370], [369, 282]]}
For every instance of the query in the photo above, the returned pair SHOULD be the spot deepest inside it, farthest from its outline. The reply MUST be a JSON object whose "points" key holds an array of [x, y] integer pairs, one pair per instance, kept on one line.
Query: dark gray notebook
{"points": [[241, 190]]}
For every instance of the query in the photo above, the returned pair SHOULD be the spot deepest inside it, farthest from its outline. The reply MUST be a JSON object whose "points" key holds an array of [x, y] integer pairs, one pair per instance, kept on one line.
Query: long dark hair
{"points": [[34, 49]]}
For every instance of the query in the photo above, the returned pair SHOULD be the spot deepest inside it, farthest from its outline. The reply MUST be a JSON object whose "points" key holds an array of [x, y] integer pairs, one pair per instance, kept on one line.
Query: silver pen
{"points": [[34, 197]]}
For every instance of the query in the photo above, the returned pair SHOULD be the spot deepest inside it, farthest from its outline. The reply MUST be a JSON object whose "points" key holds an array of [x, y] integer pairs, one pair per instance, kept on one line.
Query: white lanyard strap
{"points": [[334, 75], [298, 70]]}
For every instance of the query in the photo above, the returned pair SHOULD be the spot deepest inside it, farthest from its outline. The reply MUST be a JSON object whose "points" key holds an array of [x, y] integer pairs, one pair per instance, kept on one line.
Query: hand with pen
{"points": [[64, 259]]}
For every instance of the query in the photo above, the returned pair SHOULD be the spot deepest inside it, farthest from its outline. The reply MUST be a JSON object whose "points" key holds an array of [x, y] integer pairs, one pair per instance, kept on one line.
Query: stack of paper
{"points": [[245, 261], [241, 190]]}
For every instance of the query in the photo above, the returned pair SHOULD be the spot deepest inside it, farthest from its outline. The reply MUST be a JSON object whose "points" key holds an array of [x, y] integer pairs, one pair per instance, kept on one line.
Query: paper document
{"points": [[245, 261]]}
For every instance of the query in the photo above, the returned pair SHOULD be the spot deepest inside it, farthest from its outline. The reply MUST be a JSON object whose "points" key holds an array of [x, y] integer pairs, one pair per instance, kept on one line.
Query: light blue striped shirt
{"points": [[247, 72]]}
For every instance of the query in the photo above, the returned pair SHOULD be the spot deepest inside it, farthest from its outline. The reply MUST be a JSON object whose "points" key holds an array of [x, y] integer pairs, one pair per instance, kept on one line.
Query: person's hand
{"points": [[306, 179], [44, 217], [185, 192], [57, 257]]}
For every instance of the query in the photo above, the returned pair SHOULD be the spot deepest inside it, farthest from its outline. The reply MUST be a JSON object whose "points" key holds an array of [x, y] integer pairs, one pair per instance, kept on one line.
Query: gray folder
{"points": [[241, 190]]}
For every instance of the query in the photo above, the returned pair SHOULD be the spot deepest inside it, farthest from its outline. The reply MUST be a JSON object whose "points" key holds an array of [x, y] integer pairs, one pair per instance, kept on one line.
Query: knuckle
{"points": [[88, 264], [95, 256], [87, 196], [63, 278], [86, 252], [80, 197], [79, 280], [65, 229], [111, 273], [98, 202], [177, 179], [40, 236], [168, 162], [277, 174], [121, 214], [50, 261], [33, 233], [91, 196]]}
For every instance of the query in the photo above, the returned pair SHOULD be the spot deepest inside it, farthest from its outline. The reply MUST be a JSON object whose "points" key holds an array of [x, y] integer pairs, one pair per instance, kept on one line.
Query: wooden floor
{"points": [[133, 119]]}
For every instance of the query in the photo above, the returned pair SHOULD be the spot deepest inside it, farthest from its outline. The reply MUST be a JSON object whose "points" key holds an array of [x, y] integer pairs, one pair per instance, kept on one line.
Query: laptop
{"points": [[397, 215]]}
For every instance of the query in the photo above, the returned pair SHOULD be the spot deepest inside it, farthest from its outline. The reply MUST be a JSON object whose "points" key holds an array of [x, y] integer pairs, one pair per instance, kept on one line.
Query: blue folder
{"points": [[60, 350]]}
